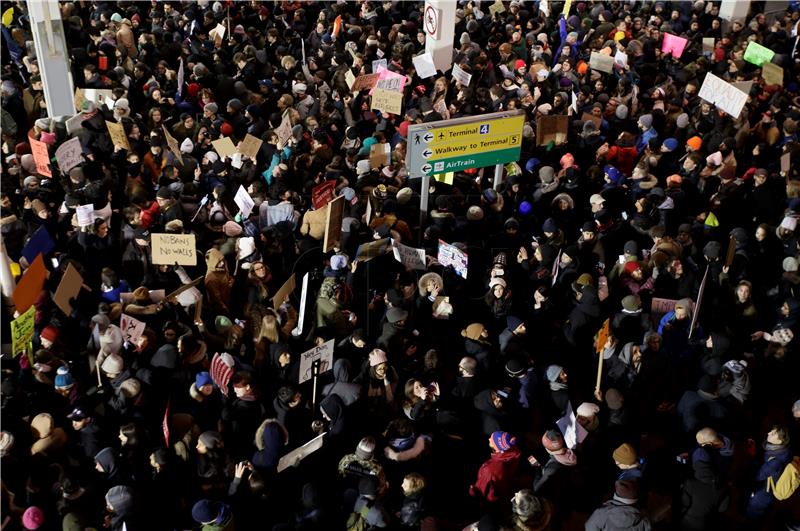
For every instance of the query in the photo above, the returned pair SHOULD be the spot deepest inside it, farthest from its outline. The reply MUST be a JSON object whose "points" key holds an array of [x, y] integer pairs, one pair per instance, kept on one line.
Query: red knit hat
{"points": [[49, 333], [552, 441], [226, 129], [632, 266]]}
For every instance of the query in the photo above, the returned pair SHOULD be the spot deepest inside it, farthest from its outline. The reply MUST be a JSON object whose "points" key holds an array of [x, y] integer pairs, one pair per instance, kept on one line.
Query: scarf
{"points": [[557, 386]]}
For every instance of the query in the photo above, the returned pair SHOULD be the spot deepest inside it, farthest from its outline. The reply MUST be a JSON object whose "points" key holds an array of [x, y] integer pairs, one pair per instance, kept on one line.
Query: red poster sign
{"points": [[323, 194]]}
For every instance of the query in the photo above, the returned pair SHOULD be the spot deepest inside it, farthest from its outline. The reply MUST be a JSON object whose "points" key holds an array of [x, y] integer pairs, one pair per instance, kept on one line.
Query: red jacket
{"points": [[149, 215], [497, 476], [623, 158]]}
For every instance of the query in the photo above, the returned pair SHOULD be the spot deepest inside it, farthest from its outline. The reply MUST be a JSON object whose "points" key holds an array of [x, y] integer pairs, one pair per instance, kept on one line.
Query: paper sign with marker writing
{"points": [[169, 249], [217, 34], [174, 147], [424, 65], [323, 353], [450, 255], [387, 101], [132, 329], [22, 331], [323, 194], [350, 78], [250, 146], [284, 131], [673, 44], [708, 44], [461, 76], [85, 214], [758, 54], [497, 7], [722, 94], [244, 202], [69, 154], [367, 81], [772, 74], [391, 81], [40, 156], [75, 124], [68, 288], [602, 63], [621, 58], [118, 136], [224, 147], [379, 63], [410, 257]]}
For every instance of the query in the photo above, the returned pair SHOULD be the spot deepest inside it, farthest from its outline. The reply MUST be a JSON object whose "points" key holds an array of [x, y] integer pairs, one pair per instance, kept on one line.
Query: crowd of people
{"points": [[619, 352]]}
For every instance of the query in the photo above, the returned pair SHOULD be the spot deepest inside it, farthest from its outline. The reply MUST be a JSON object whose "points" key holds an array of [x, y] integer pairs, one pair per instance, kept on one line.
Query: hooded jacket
{"points": [[218, 283], [48, 438], [348, 392], [703, 498], [618, 515], [583, 317], [270, 438], [497, 475]]}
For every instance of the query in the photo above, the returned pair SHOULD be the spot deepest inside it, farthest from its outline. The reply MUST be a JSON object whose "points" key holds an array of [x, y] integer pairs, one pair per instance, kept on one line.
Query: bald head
{"points": [[707, 437], [468, 366]]}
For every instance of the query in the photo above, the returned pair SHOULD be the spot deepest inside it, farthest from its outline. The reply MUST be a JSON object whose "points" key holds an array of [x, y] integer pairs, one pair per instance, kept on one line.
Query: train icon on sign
{"points": [[484, 129]]}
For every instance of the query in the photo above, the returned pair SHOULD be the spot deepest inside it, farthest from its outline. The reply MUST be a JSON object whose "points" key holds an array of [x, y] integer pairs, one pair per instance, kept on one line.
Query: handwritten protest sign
{"points": [[390, 81], [250, 146], [244, 202], [601, 62], [132, 329], [424, 66], [379, 155], [173, 145], [40, 156], [322, 194], [379, 63], [674, 45], [723, 95], [497, 7], [68, 288], [30, 286], [333, 224], [621, 59], [85, 215], [387, 101], [349, 78], [367, 81], [224, 147], [552, 129], [22, 331], [118, 136], [99, 97], [217, 34], [284, 291], [69, 154], [772, 74], [410, 257], [171, 249], [323, 353], [284, 131], [75, 124], [660, 306], [758, 54], [462, 76], [450, 255], [708, 44], [368, 251]]}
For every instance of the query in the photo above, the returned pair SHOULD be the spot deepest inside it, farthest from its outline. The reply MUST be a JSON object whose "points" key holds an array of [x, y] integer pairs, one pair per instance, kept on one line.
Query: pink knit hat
{"points": [[376, 357], [32, 518]]}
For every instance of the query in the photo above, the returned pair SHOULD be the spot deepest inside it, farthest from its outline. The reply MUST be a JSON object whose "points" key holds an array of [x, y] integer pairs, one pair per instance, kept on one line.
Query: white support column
{"points": [[53, 57], [439, 23]]}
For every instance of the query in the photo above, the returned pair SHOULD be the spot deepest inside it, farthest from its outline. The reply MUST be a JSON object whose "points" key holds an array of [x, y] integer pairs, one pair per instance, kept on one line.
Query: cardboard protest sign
{"points": [[387, 101], [601, 62], [173, 145], [323, 353], [424, 66], [224, 147], [674, 45], [40, 242], [586, 117], [156, 296], [118, 136], [244, 202], [368, 251], [380, 155], [552, 128], [367, 81], [723, 95], [22, 331], [602, 336], [284, 291], [379, 63], [40, 156], [410, 257], [333, 224], [85, 215], [30, 286], [462, 76], [298, 454], [284, 131], [171, 249], [660, 306], [69, 154], [772, 74], [708, 44], [250, 146], [786, 162], [450, 255], [68, 288], [349, 78], [497, 7], [132, 329], [758, 54], [217, 34], [323, 194]]}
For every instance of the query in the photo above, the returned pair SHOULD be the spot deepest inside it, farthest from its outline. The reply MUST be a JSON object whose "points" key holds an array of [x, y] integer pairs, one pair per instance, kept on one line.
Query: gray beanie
{"points": [[646, 121], [683, 121], [553, 372], [464, 38], [622, 112], [547, 174], [790, 264]]}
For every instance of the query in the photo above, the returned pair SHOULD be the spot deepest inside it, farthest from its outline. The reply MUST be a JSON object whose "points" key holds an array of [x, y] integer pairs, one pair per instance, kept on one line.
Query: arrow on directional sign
{"points": [[427, 137], [426, 168], [427, 153]]}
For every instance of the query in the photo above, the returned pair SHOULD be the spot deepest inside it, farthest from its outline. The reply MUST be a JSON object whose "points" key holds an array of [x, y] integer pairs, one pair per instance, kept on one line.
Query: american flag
{"points": [[222, 371]]}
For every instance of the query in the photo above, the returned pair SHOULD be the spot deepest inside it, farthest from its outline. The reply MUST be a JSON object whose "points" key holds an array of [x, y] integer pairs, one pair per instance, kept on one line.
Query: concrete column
{"points": [[441, 16], [53, 57]]}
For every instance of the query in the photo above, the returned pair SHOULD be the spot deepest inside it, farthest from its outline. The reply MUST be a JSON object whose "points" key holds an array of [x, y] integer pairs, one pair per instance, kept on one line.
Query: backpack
{"points": [[787, 483], [357, 521]]}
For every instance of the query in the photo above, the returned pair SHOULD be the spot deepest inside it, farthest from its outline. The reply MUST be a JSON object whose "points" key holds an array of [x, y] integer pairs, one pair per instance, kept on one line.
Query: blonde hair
{"points": [[269, 329], [416, 482]]}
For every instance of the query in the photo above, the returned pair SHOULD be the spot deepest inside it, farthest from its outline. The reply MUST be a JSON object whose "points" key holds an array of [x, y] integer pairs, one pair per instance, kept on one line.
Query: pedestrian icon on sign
{"points": [[416, 139], [485, 129]]}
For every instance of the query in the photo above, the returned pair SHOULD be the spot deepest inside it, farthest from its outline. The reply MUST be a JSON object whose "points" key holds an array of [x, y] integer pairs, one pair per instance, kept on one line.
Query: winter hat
{"points": [[695, 143], [338, 261], [631, 266], [626, 489], [211, 439], [515, 367], [553, 372], [187, 146], [671, 144], [549, 225], [631, 303], [712, 249], [50, 333], [503, 441], [6, 443], [376, 357], [205, 511], [513, 322], [587, 409], [547, 174], [395, 315], [130, 388], [473, 331], [203, 378], [474, 213], [631, 248], [552, 441], [682, 121], [63, 378], [790, 264], [646, 121], [366, 448], [525, 208], [625, 454], [622, 112], [113, 364], [613, 174], [614, 399], [32, 518]]}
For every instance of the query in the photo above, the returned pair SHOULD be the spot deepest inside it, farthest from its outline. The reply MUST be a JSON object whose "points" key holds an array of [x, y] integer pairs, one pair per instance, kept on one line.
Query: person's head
{"points": [[526, 506], [467, 367], [413, 483], [778, 435], [242, 383], [743, 291], [129, 434]]}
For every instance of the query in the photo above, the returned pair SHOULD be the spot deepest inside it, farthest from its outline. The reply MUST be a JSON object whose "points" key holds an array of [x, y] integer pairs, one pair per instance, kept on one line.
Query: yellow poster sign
{"points": [[22, 331]]}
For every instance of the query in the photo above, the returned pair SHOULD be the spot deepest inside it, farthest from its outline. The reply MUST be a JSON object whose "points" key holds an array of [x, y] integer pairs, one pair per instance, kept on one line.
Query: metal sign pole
{"points": [[314, 374], [498, 176], [423, 204]]}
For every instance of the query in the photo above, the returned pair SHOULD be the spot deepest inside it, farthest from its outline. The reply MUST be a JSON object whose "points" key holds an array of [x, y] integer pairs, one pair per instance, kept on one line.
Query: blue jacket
{"points": [[775, 460]]}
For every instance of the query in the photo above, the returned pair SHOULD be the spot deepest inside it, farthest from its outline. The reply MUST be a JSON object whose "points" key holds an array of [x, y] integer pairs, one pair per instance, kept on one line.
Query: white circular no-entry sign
{"points": [[431, 20]]}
